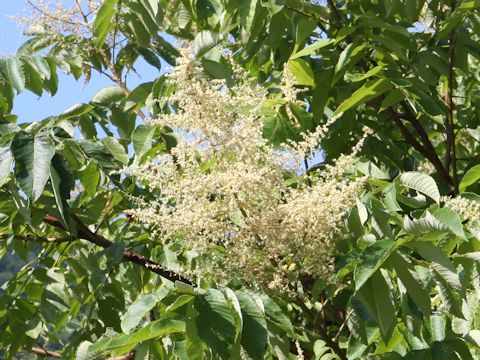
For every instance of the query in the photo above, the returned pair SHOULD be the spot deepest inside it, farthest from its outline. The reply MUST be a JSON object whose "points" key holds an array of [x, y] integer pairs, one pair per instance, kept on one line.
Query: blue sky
{"points": [[29, 107]]}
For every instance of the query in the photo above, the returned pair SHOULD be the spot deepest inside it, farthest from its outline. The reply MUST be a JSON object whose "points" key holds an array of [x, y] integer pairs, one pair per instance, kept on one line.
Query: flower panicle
{"points": [[223, 187]]}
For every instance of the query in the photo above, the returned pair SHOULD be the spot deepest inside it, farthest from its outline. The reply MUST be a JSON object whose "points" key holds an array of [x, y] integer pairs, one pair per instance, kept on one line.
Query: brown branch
{"points": [[44, 352], [83, 232], [428, 148]]}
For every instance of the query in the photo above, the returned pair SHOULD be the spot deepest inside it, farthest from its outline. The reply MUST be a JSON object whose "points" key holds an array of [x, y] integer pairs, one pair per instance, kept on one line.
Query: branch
{"points": [[320, 22], [335, 13], [118, 79], [44, 352], [83, 232], [428, 148], [79, 7]]}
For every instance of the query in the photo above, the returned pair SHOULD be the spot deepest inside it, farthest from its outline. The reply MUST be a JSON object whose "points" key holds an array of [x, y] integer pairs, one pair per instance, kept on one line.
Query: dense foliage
{"points": [[187, 218]]}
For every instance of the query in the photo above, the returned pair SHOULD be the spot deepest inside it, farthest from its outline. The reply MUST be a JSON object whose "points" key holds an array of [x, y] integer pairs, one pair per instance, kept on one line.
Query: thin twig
{"points": [[118, 79], [51, 17]]}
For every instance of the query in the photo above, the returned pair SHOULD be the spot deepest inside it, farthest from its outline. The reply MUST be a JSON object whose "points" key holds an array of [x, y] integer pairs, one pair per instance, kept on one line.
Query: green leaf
{"points": [[103, 22], [136, 99], [371, 260], [451, 24], [142, 139], [372, 170], [6, 161], [275, 314], [122, 344], [380, 220], [33, 81], [278, 128], [76, 110], [274, 6], [216, 321], [194, 345], [309, 50], [90, 177], [375, 296], [116, 149], [40, 65], [343, 57], [439, 263], [430, 104], [450, 298], [32, 162], [12, 71], [370, 90], [302, 72], [470, 178], [451, 220], [369, 73], [205, 41], [109, 95], [137, 27], [180, 302], [405, 272], [426, 224], [422, 183], [139, 308], [82, 352], [124, 121], [62, 183], [254, 332], [150, 57], [392, 98]]}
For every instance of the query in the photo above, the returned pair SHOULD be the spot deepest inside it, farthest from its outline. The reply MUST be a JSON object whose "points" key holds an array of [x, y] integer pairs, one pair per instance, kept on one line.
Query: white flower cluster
{"points": [[223, 189], [61, 17], [469, 210]]}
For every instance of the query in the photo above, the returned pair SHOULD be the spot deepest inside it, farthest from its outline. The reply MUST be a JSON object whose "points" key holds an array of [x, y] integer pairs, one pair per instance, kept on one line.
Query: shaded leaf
{"points": [[32, 162], [470, 178], [371, 260]]}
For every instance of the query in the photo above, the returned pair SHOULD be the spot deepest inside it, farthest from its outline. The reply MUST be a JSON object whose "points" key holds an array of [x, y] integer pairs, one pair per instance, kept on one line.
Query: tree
{"points": [[139, 259]]}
